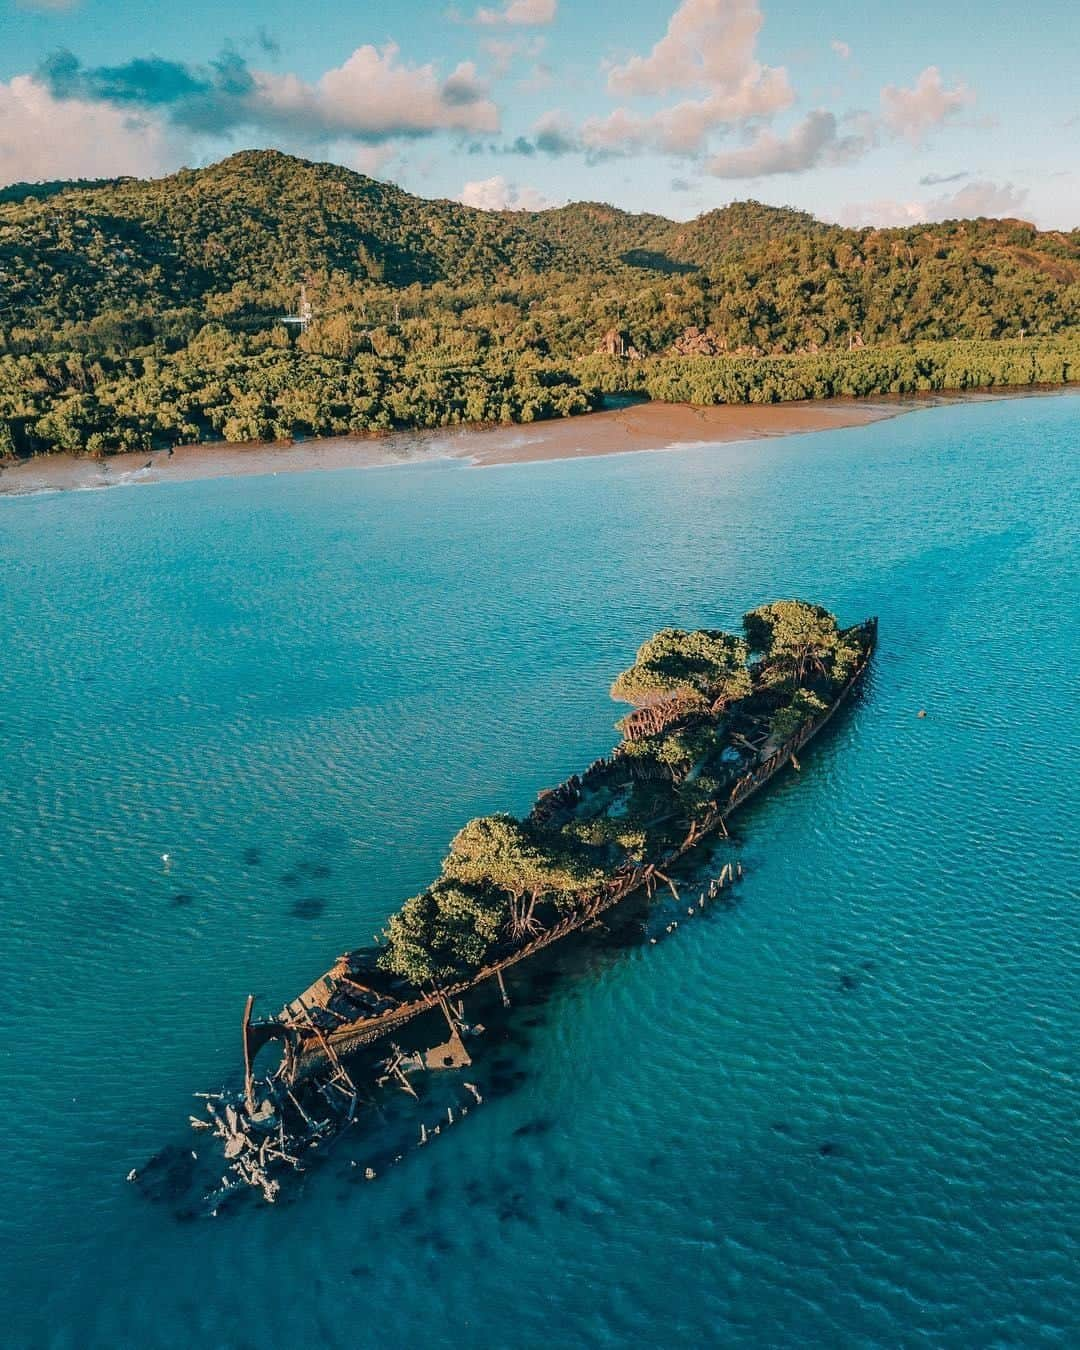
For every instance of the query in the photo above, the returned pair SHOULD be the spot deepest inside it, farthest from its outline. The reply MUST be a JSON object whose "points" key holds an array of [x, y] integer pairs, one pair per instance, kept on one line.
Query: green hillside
{"points": [[135, 313]]}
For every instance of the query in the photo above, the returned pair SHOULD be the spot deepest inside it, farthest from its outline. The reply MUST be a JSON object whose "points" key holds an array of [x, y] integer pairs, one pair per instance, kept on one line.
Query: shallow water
{"points": [[838, 1113]]}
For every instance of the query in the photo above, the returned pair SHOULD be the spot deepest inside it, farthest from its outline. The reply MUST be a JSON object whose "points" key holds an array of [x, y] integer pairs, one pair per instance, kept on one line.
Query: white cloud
{"points": [[42, 137], [709, 48], [366, 159], [912, 113], [802, 148], [518, 13], [883, 213], [683, 127], [708, 44], [842, 49], [981, 198], [496, 194], [372, 96], [501, 52], [541, 77]]}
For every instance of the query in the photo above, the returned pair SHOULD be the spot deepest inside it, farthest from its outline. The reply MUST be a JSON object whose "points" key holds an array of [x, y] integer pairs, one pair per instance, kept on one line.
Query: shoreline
{"points": [[636, 427]]}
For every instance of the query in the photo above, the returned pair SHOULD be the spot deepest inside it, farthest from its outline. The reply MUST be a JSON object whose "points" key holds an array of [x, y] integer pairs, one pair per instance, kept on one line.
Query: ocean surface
{"points": [[840, 1112]]}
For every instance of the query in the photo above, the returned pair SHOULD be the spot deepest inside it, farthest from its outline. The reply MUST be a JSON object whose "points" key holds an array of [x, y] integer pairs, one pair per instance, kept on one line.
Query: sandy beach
{"points": [[639, 426]]}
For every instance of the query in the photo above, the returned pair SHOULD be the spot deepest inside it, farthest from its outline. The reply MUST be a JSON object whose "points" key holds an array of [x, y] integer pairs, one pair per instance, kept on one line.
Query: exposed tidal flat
{"points": [[613, 430], [841, 1112]]}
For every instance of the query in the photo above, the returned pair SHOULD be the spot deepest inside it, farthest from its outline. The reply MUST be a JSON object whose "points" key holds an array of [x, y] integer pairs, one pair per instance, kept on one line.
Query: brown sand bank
{"points": [[641, 426]]}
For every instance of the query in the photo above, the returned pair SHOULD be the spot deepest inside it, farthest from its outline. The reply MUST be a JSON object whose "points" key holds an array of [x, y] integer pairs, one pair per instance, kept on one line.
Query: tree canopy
{"points": [[793, 636], [790, 716], [504, 852], [444, 933], [705, 664], [140, 314]]}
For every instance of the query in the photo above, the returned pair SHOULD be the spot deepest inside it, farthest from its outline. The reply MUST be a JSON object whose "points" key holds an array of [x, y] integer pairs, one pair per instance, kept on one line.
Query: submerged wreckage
{"points": [[709, 728]]}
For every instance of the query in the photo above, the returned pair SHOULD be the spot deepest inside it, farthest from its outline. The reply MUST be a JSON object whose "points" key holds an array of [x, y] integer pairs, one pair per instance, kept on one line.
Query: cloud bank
{"points": [[496, 194], [373, 96], [42, 137], [700, 93], [978, 198]]}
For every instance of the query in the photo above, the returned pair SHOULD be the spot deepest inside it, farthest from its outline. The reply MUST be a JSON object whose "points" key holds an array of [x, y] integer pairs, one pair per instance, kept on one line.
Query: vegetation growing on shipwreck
{"points": [[714, 716], [698, 704]]}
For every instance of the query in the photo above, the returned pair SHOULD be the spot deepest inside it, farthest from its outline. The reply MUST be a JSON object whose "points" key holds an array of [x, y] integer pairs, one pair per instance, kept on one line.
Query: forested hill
{"points": [[169, 282], [236, 239]]}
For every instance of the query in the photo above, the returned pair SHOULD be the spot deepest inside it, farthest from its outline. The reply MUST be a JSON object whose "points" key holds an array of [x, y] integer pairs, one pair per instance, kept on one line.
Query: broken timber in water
{"points": [[356, 1004]]}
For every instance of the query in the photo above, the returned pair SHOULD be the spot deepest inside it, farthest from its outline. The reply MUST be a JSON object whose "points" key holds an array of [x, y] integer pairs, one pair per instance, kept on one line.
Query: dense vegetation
{"points": [[135, 314], [505, 880]]}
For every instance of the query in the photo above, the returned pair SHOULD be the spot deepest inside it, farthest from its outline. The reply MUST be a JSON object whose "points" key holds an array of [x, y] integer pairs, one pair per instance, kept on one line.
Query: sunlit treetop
{"points": [[704, 664], [795, 636]]}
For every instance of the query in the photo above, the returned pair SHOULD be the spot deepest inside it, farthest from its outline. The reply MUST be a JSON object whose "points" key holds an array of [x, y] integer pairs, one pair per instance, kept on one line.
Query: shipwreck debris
{"points": [[719, 749]]}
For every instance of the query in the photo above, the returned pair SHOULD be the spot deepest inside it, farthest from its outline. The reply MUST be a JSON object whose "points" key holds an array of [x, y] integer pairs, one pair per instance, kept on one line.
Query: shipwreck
{"points": [[714, 717]]}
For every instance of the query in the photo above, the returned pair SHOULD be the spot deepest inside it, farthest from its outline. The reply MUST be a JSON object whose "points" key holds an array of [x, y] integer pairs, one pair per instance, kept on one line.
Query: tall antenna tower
{"points": [[303, 318]]}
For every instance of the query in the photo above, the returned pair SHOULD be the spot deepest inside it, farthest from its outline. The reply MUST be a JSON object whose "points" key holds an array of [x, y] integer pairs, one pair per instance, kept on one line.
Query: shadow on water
{"points": [[308, 907]]}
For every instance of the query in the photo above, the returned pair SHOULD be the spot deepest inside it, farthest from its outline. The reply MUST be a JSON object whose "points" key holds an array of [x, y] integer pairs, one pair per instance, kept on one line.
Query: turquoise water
{"points": [[840, 1113]]}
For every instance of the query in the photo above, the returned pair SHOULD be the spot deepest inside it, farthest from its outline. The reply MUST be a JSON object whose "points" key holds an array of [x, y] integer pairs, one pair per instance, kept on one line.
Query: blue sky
{"points": [[860, 112]]}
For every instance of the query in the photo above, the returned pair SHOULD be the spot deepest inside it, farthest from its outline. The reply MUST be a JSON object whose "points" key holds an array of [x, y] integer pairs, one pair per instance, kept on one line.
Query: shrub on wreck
{"points": [[444, 933], [795, 638], [698, 666], [504, 852], [787, 720]]}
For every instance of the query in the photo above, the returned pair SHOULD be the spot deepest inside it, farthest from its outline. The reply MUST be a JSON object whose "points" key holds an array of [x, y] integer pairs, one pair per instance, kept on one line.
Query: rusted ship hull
{"points": [[287, 1118], [309, 1049]]}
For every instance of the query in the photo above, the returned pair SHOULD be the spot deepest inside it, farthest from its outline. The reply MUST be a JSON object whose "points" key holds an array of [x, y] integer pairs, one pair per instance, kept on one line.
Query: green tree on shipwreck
{"points": [[445, 932], [504, 852], [690, 669], [796, 639]]}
